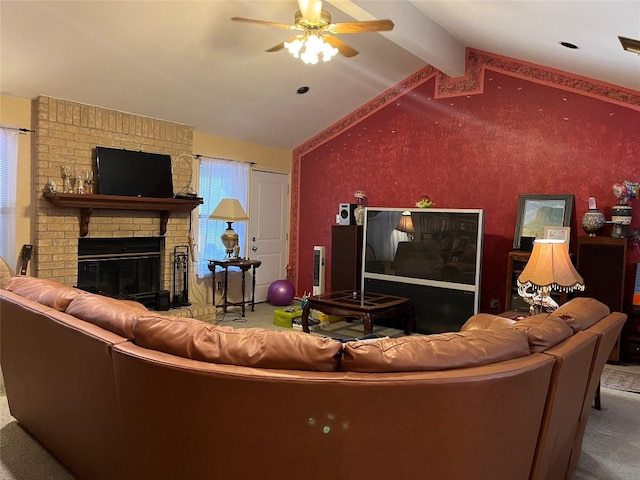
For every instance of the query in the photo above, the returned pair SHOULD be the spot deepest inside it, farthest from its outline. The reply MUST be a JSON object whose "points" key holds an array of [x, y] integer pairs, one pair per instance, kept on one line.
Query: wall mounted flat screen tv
{"points": [[433, 256], [133, 174]]}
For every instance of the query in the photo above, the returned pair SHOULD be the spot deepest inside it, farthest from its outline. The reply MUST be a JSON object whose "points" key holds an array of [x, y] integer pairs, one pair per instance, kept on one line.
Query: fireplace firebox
{"points": [[124, 268]]}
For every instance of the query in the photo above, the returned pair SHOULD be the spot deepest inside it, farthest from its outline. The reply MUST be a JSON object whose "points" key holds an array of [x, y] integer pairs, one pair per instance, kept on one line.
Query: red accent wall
{"points": [[510, 134]]}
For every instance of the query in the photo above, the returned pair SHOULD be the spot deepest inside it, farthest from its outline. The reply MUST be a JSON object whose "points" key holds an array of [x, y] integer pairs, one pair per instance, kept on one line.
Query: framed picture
{"points": [[558, 233], [535, 212]]}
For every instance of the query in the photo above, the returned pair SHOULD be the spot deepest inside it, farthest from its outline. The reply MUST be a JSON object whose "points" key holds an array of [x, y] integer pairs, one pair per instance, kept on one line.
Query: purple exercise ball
{"points": [[281, 292]]}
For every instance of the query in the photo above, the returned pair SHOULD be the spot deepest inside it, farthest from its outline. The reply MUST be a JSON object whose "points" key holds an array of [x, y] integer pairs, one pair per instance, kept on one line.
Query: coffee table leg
{"points": [[305, 317], [411, 320], [367, 319]]}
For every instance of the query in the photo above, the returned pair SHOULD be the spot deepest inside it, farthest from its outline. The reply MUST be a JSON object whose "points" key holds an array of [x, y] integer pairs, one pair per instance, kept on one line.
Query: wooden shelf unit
{"points": [[88, 202], [602, 263], [346, 257]]}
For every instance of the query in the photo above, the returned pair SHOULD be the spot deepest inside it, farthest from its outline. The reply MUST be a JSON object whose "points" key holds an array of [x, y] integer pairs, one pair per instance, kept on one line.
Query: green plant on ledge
{"points": [[424, 202]]}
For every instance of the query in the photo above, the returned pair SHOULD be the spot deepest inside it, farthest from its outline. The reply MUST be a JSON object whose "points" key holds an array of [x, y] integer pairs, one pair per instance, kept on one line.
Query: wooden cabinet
{"points": [[513, 302], [631, 334], [602, 263], [346, 257]]}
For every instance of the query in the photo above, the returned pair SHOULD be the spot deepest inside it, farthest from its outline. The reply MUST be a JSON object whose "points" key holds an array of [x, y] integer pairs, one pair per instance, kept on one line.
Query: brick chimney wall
{"points": [[67, 134]]}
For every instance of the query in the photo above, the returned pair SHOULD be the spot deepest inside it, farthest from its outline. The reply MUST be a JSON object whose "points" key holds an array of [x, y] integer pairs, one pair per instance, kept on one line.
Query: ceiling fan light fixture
{"points": [[310, 47]]}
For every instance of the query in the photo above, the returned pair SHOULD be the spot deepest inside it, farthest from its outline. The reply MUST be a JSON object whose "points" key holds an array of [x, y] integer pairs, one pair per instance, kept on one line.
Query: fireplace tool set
{"points": [[181, 276]]}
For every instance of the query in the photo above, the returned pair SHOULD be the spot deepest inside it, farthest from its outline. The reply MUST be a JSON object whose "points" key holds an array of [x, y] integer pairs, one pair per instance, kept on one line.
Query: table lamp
{"points": [[230, 210], [549, 268]]}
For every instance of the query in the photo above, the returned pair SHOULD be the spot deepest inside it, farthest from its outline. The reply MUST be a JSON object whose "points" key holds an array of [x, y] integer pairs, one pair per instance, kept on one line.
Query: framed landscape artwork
{"points": [[535, 212]]}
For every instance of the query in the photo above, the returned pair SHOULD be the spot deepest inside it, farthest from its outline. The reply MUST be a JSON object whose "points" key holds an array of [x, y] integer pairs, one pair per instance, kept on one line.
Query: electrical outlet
{"points": [[219, 286], [494, 303]]}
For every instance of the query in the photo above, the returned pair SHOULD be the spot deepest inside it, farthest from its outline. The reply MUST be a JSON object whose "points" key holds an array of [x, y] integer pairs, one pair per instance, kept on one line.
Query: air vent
{"points": [[630, 45]]}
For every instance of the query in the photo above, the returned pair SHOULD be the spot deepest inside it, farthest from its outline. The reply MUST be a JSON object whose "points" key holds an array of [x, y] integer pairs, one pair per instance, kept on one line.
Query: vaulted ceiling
{"points": [[187, 62]]}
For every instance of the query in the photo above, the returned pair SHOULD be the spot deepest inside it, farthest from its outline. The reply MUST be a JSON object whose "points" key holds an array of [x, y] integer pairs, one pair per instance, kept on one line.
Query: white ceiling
{"points": [[185, 61]]}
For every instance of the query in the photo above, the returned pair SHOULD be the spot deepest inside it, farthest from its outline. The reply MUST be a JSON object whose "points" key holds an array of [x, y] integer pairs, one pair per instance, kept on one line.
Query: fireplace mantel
{"points": [[86, 203]]}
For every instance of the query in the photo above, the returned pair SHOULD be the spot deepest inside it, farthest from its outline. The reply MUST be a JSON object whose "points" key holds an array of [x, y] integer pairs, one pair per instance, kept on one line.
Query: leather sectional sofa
{"points": [[116, 391]]}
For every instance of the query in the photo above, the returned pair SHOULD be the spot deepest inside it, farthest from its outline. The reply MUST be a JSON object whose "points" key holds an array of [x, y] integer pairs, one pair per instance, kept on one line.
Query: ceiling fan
{"points": [[317, 32]]}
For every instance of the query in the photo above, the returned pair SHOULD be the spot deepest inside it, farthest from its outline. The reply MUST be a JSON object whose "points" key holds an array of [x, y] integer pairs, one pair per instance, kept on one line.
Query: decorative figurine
{"points": [[358, 213], [51, 187]]}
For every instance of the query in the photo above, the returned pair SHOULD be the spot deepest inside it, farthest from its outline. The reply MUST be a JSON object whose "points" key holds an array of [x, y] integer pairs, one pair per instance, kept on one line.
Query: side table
{"points": [[243, 264]]}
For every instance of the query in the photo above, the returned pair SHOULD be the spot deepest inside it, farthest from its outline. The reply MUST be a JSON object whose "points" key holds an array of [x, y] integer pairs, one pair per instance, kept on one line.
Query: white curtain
{"points": [[8, 181], [219, 179]]}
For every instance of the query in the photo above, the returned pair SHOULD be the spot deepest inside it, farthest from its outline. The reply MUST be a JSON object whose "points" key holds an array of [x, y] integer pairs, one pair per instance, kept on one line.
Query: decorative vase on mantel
{"points": [[593, 221]]}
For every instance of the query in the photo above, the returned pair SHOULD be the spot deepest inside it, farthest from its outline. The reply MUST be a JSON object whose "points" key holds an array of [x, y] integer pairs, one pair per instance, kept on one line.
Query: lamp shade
{"points": [[405, 224], [229, 210], [550, 266]]}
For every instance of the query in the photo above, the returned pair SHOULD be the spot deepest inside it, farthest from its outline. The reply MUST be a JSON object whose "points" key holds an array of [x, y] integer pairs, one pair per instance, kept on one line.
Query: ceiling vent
{"points": [[630, 45]]}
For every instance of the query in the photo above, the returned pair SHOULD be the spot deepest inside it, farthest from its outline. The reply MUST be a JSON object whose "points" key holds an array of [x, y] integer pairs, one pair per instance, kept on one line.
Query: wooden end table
{"points": [[368, 306], [243, 264]]}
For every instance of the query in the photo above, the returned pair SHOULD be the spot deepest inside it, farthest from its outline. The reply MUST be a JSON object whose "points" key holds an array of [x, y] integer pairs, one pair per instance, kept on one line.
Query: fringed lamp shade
{"points": [[549, 268]]}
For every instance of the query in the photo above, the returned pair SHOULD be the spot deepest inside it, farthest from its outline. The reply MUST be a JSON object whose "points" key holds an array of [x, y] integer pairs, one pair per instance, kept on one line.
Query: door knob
{"points": [[254, 249]]}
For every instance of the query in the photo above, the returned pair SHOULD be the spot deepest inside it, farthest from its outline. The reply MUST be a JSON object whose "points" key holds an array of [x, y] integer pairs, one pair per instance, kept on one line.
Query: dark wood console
{"points": [[86, 203]]}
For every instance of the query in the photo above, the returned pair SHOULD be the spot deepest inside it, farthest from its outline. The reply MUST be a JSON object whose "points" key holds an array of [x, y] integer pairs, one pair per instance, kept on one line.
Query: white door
{"points": [[268, 226]]}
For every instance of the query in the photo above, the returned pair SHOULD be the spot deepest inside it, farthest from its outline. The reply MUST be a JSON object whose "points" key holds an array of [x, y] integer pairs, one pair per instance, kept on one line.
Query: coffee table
{"points": [[368, 306]]}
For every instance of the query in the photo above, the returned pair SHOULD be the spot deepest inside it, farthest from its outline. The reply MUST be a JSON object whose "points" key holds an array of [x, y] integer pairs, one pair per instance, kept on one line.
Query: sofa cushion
{"points": [[486, 321], [250, 347], [435, 352], [543, 331], [46, 292], [117, 316], [582, 312]]}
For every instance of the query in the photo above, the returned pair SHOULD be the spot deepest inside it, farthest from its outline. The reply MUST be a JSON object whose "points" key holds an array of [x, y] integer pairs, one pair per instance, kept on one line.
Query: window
{"points": [[8, 180], [219, 179]]}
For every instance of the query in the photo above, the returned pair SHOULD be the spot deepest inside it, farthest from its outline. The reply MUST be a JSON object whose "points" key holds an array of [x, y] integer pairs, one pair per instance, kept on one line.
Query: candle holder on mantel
{"points": [[593, 220]]}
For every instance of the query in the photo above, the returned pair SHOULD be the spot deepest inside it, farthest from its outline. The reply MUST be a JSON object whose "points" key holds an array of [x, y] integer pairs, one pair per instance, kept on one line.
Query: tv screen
{"points": [[433, 256], [134, 174]]}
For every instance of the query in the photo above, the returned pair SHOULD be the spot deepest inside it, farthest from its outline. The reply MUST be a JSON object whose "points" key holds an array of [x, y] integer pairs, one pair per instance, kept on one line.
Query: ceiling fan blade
{"points": [[280, 46], [264, 22], [360, 27], [310, 9], [275, 48], [342, 47]]}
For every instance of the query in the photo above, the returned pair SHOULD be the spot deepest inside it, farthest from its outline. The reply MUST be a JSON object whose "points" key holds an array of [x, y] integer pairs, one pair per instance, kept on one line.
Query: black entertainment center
{"points": [[432, 256]]}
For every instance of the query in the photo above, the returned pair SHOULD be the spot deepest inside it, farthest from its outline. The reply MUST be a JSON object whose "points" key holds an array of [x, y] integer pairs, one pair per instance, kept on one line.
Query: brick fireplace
{"points": [[67, 134]]}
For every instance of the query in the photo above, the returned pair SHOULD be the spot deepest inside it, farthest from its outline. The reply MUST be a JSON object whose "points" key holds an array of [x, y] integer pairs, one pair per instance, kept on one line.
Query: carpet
{"points": [[620, 380]]}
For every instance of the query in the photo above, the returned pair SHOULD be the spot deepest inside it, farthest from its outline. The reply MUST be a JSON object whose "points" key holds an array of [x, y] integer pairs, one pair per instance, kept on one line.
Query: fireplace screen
{"points": [[126, 268]]}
